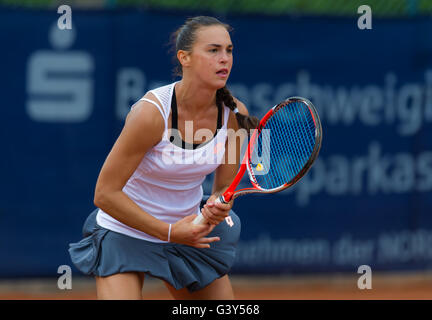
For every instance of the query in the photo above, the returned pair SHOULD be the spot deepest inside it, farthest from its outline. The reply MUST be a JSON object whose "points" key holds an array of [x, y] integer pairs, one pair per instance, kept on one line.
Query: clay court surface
{"points": [[332, 287]]}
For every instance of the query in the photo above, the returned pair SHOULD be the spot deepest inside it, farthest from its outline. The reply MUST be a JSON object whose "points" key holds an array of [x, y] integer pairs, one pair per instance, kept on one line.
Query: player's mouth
{"points": [[223, 73]]}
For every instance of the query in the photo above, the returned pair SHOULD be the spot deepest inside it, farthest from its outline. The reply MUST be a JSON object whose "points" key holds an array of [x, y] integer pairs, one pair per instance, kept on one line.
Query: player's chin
{"points": [[220, 82]]}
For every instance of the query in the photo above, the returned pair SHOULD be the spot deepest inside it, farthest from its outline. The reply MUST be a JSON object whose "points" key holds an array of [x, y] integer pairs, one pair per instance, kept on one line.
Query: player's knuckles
{"points": [[224, 206], [195, 238], [216, 211], [213, 213], [210, 220], [221, 213], [211, 216], [209, 212], [195, 234], [205, 232]]}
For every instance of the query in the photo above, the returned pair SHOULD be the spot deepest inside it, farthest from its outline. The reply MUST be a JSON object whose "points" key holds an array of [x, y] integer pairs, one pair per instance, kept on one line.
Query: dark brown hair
{"points": [[183, 39]]}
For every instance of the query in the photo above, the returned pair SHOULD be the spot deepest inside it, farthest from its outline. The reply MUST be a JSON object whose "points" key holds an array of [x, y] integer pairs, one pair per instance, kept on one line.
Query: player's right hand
{"points": [[186, 232]]}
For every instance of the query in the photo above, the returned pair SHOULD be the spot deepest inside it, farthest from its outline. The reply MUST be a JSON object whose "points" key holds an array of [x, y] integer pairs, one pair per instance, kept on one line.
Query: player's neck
{"points": [[194, 97]]}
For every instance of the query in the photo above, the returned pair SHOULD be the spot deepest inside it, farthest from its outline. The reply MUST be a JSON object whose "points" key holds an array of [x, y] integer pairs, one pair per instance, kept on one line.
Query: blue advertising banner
{"points": [[366, 201]]}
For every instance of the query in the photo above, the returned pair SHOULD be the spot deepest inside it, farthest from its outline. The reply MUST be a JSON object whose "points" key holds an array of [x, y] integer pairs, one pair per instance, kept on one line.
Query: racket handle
{"points": [[220, 199], [200, 218]]}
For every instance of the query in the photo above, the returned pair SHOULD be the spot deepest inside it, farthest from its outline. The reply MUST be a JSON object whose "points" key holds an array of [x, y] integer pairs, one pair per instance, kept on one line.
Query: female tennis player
{"points": [[149, 189]]}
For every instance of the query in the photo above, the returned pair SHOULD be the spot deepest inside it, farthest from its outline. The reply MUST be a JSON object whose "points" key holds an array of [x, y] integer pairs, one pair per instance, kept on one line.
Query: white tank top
{"points": [[167, 182]]}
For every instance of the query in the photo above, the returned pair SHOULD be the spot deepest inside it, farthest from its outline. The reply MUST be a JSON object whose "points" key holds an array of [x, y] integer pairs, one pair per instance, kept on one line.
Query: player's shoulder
{"points": [[146, 114]]}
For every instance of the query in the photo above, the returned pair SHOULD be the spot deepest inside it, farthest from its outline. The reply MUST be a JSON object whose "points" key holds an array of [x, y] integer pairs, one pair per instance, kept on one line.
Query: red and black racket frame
{"points": [[246, 164]]}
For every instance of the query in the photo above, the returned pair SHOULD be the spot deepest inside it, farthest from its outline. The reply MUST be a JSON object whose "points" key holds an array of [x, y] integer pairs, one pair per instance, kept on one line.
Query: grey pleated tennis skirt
{"points": [[103, 252]]}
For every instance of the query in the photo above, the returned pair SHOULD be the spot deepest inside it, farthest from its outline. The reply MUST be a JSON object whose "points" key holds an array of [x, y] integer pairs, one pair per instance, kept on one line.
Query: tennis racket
{"points": [[280, 151]]}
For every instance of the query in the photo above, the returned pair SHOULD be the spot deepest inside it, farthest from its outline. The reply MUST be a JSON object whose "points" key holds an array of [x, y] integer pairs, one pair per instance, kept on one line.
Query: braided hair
{"points": [[183, 39], [223, 95]]}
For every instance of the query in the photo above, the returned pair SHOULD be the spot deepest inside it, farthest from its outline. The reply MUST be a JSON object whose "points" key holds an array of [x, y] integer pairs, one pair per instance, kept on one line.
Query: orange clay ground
{"points": [[331, 287]]}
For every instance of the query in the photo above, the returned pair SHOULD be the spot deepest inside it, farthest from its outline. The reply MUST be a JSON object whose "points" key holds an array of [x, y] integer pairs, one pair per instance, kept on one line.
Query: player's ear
{"points": [[184, 58]]}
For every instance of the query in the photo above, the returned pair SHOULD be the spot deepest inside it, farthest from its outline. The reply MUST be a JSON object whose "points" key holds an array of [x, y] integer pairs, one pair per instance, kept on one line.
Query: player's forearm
{"points": [[118, 205]]}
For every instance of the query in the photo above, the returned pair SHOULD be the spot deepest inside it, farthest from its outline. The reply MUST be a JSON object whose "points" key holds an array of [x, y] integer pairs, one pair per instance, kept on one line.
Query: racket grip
{"points": [[200, 218]]}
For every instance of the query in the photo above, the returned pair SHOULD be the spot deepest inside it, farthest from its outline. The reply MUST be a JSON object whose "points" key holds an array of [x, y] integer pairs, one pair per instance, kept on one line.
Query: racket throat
{"points": [[228, 196]]}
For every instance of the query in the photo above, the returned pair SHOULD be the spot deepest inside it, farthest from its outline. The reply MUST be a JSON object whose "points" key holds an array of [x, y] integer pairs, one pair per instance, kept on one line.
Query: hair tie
{"points": [[236, 110]]}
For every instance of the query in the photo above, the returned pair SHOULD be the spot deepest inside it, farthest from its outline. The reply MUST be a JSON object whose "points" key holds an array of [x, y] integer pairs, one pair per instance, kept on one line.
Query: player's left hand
{"points": [[216, 212]]}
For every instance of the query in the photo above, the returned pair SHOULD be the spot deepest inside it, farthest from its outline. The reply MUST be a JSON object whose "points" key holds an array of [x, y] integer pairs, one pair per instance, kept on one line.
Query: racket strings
{"points": [[296, 150], [285, 152]]}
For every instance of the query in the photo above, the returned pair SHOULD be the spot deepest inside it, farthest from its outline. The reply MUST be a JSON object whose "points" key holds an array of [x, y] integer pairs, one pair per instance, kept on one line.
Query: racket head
{"points": [[289, 139]]}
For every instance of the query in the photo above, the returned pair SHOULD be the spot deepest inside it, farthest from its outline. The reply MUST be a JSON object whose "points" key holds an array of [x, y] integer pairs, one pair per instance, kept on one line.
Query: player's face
{"points": [[211, 56]]}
